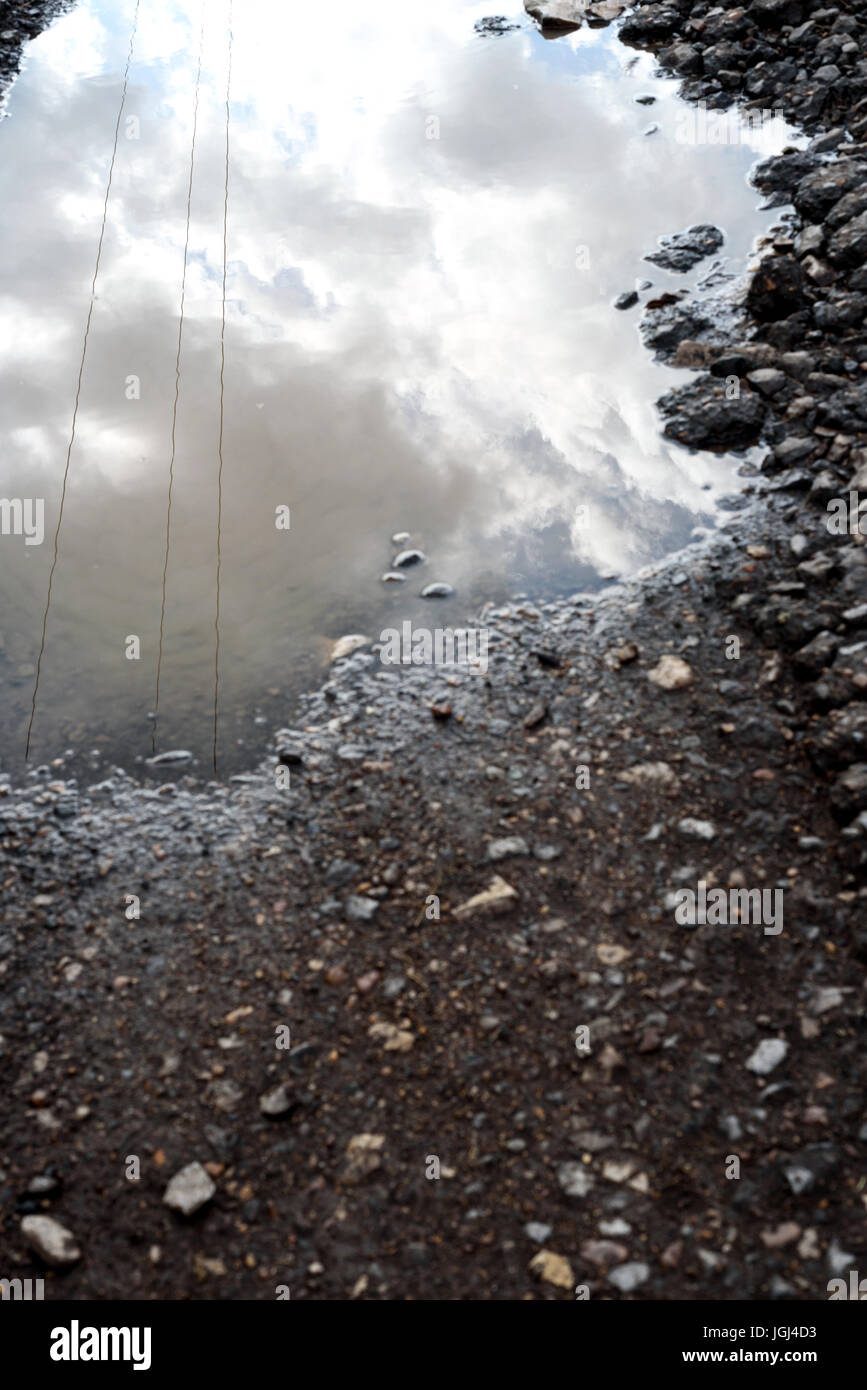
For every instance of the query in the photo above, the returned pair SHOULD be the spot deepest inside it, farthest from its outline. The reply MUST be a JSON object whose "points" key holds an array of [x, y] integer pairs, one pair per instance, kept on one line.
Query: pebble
{"points": [[617, 1227], [278, 1101], [650, 774], [799, 1178], [553, 1269], [189, 1190], [537, 1231], [361, 909], [408, 557], [53, 1243], [685, 249], [43, 1185], [437, 590], [603, 1252], [628, 1277], [768, 380], [393, 577], [507, 848], [345, 646], [497, 897], [670, 673], [362, 1157], [400, 537], [769, 1053], [696, 829], [575, 1179], [393, 1039], [839, 1260], [537, 712], [784, 1234]]}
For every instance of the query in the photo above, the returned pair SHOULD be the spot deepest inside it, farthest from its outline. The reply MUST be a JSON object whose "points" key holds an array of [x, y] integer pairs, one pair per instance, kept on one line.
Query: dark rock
{"points": [[845, 410], [840, 311], [792, 624], [849, 792], [685, 249], [730, 364], [811, 660], [664, 328], [848, 246], [649, 22], [788, 333], [700, 416], [784, 173], [289, 755], [817, 193], [683, 58], [777, 289], [842, 738], [848, 207], [775, 13]]}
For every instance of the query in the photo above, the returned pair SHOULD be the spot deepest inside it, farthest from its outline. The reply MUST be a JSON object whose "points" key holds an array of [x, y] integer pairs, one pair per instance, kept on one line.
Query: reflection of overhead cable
{"points": [[80, 377], [177, 388], [222, 369]]}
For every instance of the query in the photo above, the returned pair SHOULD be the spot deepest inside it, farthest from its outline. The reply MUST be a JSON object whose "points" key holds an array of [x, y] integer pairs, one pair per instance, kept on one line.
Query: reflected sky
{"points": [[427, 229]]}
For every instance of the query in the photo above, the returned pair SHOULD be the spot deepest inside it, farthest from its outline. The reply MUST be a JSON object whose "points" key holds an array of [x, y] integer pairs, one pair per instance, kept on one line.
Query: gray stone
{"points": [[767, 380], [848, 246]]}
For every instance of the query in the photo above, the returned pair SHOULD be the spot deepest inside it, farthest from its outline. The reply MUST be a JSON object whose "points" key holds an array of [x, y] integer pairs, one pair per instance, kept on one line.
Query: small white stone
{"points": [[769, 1053], [52, 1242], [696, 829], [628, 1277], [189, 1189]]}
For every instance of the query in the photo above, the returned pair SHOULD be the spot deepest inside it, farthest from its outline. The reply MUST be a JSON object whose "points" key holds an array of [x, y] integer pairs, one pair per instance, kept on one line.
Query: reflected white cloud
{"points": [[412, 338]]}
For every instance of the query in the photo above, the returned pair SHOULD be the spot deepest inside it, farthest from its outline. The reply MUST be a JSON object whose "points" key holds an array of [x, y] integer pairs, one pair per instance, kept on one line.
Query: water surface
{"points": [[426, 231]]}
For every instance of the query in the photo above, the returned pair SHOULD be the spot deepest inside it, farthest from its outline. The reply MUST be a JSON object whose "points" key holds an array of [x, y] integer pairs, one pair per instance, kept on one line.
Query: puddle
{"points": [[427, 229]]}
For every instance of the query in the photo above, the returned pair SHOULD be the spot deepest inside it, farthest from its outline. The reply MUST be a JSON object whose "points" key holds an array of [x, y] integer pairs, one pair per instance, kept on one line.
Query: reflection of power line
{"points": [[177, 389], [222, 370], [80, 377]]}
